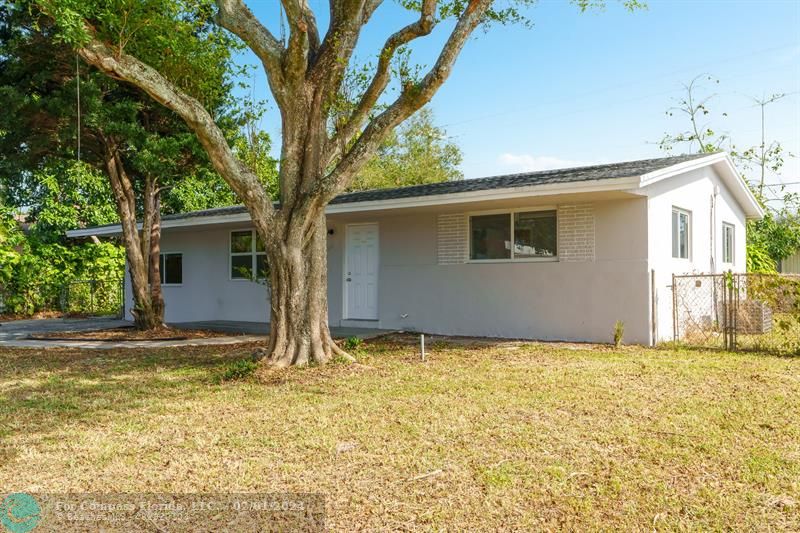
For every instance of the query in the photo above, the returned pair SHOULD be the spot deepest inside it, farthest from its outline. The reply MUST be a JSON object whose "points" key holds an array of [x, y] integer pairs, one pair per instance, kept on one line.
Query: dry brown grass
{"points": [[483, 436]]}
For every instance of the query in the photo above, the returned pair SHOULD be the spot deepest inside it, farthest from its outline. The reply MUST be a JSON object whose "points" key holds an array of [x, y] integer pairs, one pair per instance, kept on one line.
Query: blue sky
{"points": [[594, 87]]}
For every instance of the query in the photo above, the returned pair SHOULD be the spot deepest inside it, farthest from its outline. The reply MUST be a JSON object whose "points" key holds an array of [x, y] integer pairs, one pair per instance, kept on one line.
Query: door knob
{"points": [[348, 279]]}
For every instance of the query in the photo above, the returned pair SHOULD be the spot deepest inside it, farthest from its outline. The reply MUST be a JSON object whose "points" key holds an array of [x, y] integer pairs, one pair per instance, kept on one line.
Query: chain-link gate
{"points": [[737, 311]]}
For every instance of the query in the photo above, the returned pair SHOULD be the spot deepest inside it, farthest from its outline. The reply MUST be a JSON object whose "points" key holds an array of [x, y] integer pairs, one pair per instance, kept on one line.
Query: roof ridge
{"points": [[535, 173]]}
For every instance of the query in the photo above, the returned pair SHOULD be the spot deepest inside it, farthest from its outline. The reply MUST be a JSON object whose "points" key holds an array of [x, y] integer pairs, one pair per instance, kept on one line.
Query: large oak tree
{"points": [[322, 147]]}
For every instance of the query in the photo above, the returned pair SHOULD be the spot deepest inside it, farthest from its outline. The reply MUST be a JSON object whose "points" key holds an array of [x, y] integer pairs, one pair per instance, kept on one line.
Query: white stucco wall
{"points": [[692, 192], [578, 300], [604, 280], [607, 247], [207, 292]]}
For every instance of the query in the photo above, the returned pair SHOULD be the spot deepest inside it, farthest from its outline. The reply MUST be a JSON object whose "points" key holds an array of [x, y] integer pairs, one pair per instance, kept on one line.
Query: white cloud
{"points": [[530, 163]]}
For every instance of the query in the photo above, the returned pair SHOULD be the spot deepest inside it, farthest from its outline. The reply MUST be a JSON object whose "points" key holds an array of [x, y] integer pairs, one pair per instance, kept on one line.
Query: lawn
{"points": [[480, 437]]}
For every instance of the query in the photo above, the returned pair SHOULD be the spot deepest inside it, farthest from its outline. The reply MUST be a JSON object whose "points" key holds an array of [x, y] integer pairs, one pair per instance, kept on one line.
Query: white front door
{"points": [[361, 271]]}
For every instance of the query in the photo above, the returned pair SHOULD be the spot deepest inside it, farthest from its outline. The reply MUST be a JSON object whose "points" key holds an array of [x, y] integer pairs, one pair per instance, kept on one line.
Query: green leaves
{"points": [[777, 235], [176, 37], [69, 195], [34, 267], [418, 152]]}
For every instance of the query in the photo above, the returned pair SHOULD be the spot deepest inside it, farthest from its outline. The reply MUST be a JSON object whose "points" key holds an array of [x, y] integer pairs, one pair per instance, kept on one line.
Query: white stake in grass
{"points": [[422, 346]]}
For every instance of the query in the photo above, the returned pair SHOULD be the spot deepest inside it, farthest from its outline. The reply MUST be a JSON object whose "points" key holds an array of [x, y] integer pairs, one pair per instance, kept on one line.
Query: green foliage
{"points": [[619, 332], [352, 343], [759, 259], [253, 149], [238, 370], [68, 195], [176, 37], [39, 87], [35, 267], [774, 237], [418, 152], [36, 264], [700, 137], [39, 135]]}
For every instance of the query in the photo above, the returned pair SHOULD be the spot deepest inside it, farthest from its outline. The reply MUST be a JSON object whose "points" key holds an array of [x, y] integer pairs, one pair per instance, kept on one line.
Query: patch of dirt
{"points": [[132, 334]]}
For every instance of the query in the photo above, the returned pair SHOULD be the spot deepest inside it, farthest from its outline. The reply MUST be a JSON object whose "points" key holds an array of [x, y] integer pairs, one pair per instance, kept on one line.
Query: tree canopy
{"points": [[416, 153]]}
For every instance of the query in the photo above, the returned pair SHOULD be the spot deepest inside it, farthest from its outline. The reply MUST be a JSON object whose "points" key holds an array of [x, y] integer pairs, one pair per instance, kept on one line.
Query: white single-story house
{"points": [[555, 255]]}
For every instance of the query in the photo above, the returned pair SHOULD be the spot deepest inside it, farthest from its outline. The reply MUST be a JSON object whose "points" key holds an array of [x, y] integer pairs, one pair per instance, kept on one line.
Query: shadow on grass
{"points": [[42, 390]]}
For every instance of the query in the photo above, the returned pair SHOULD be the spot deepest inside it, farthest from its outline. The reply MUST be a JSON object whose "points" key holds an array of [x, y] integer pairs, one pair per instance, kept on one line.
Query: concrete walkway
{"points": [[16, 333]]}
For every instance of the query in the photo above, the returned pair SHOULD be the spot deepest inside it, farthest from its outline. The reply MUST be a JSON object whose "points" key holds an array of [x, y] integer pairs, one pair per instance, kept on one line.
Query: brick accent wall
{"points": [[576, 232], [451, 242], [575, 235]]}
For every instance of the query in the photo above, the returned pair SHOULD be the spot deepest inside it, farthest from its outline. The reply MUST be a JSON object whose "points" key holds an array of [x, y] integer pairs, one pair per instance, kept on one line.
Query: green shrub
{"points": [[238, 370], [352, 343], [619, 332]]}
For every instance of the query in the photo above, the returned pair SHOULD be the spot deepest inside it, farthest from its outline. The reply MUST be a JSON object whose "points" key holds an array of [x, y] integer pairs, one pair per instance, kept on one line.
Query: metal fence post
{"points": [[674, 310], [725, 315], [653, 309], [735, 280]]}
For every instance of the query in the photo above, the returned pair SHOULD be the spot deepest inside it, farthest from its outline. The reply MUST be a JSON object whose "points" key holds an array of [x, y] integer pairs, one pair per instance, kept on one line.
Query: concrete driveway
{"points": [[16, 333], [22, 329]]}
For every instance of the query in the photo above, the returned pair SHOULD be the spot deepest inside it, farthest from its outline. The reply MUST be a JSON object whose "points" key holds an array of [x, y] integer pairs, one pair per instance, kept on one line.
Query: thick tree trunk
{"points": [[142, 248], [154, 271], [299, 333]]}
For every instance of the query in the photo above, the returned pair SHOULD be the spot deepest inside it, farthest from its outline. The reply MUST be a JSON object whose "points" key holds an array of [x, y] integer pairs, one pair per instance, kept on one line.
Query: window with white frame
{"points": [[534, 236], [681, 233], [248, 255], [728, 240], [171, 268]]}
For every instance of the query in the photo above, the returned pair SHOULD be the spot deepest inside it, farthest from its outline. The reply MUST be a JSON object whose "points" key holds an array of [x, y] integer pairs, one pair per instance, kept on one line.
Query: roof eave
{"points": [[549, 189], [723, 163]]}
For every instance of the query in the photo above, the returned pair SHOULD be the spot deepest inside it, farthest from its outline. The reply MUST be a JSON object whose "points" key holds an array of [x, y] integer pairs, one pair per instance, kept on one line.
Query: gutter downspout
{"points": [[713, 231]]}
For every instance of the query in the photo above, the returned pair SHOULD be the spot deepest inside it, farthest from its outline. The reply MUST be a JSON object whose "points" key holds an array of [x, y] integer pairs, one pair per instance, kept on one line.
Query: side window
{"points": [[728, 242], [171, 269], [248, 255], [242, 254], [681, 233]]}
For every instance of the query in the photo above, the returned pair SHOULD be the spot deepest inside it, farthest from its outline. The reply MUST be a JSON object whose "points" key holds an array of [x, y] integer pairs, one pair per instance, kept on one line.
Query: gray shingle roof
{"points": [[563, 175]]}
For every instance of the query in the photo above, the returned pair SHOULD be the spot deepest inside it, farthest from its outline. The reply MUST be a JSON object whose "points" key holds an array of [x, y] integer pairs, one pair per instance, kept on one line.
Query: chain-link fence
{"points": [[93, 297], [738, 311]]}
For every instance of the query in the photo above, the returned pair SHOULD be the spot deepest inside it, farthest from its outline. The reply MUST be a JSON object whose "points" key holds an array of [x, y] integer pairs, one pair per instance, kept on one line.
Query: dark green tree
{"points": [[59, 110]]}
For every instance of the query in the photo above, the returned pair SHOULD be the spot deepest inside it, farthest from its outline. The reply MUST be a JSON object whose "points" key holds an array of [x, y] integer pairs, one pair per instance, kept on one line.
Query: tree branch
{"points": [[241, 179], [410, 100], [306, 15], [303, 39], [234, 16], [423, 26]]}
